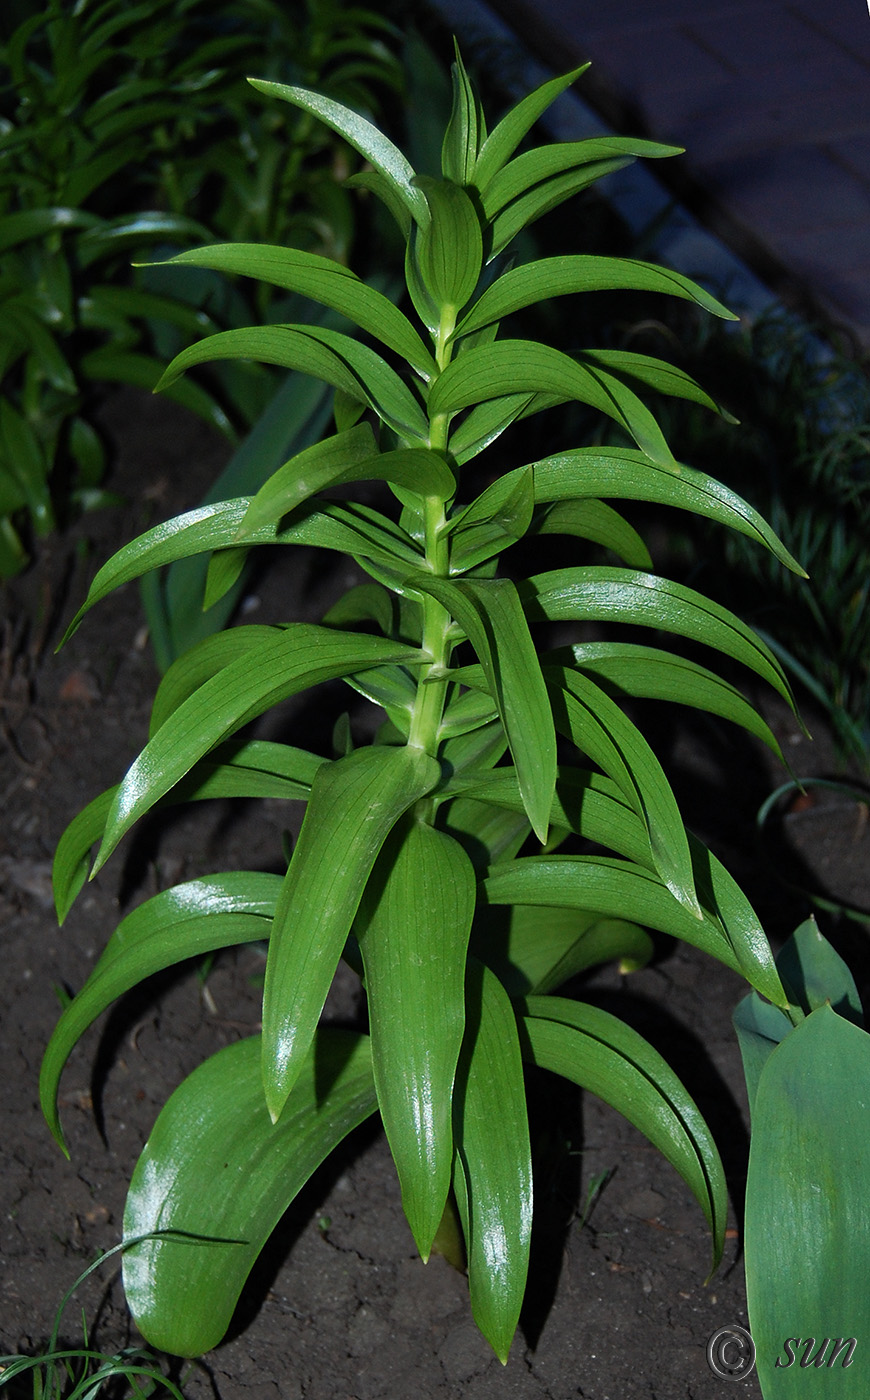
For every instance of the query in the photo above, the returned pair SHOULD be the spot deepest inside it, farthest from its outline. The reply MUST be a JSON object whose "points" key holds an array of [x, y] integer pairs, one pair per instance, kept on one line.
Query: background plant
{"points": [[124, 128], [430, 859]]}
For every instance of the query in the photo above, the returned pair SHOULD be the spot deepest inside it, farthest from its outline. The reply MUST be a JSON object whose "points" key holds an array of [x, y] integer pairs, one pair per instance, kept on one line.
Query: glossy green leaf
{"points": [[575, 273], [450, 250], [246, 768], [494, 521], [325, 281], [605, 1056], [541, 197], [297, 657], [520, 366], [326, 354], [595, 521], [187, 921], [485, 832], [216, 1169], [365, 138], [489, 612], [597, 725], [413, 926], [614, 888], [625, 474], [650, 373], [623, 669], [486, 422], [493, 1173], [624, 595], [535, 167], [354, 805], [347, 457], [503, 140], [805, 1227], [203, 661]]}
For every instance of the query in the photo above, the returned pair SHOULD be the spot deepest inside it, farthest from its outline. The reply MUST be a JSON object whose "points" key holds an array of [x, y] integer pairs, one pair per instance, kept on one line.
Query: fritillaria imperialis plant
{"points": [[429, 858]]}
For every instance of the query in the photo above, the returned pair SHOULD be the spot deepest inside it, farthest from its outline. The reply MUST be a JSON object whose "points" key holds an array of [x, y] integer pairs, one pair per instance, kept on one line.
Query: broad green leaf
{"points": [[297, 657], [365, 602], [349, 456], [650, 373], [467, 712], [501, 143], [489, 613], [493, 1174], [575, 273], [597, 725], [533, 950], [613, 888], [805, 1227], [391, 687], [325, 281], [187, 921], [354, 805], [759, 1027], [595, 521], [216, 1170], [625, 595], [365, 138], [521, 366], [203, 661], [488, 834], [625, 474], [413, 925], [485, 423], [324, 353], [623, 669], [606, 1057], [450, 250], [813, 974]]}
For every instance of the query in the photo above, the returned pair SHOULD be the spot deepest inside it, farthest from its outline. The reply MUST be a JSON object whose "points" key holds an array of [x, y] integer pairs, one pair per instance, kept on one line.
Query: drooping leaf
{"points": [[297, 657], [602, 1054], [493, 1173], [187, 921], [413, 926], [217, 1172], [593, 520], [353, 807]]}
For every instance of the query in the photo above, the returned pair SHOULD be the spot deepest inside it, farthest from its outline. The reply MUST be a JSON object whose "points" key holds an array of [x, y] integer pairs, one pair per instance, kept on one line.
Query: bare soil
{"points": [[341, 1307]]}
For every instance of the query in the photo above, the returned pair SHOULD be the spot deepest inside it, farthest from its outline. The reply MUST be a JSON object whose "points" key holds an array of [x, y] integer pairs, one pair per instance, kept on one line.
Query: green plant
{"points": [[80, 1373], [429, 859], [127, 128]]}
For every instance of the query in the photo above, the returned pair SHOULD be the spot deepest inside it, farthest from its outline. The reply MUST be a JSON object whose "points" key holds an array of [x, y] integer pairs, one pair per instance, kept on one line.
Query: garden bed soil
{"points": [[341, 1307]]}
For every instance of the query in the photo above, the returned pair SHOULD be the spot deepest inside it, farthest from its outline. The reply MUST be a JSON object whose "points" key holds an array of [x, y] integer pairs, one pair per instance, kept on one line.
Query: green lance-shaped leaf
{"points": [[349, 456], [503, 140], [541, 165], [623, 473], [599, 728], [499, 517], [493, 1175], [326, 354], [353, 807], [574, 273], [624, 595], [247, 768], [595, 521], [325, 281], [651, 373], [187, 921], [603, 1055], [614, 888], [365, 138], [203, 661], [450, 251], [489, 612], [621, 668], [413, 926], [536, 198], [466, 129], [297, 657], [348, 529], [805, 1227], [217, 1171], [524, 366]]}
